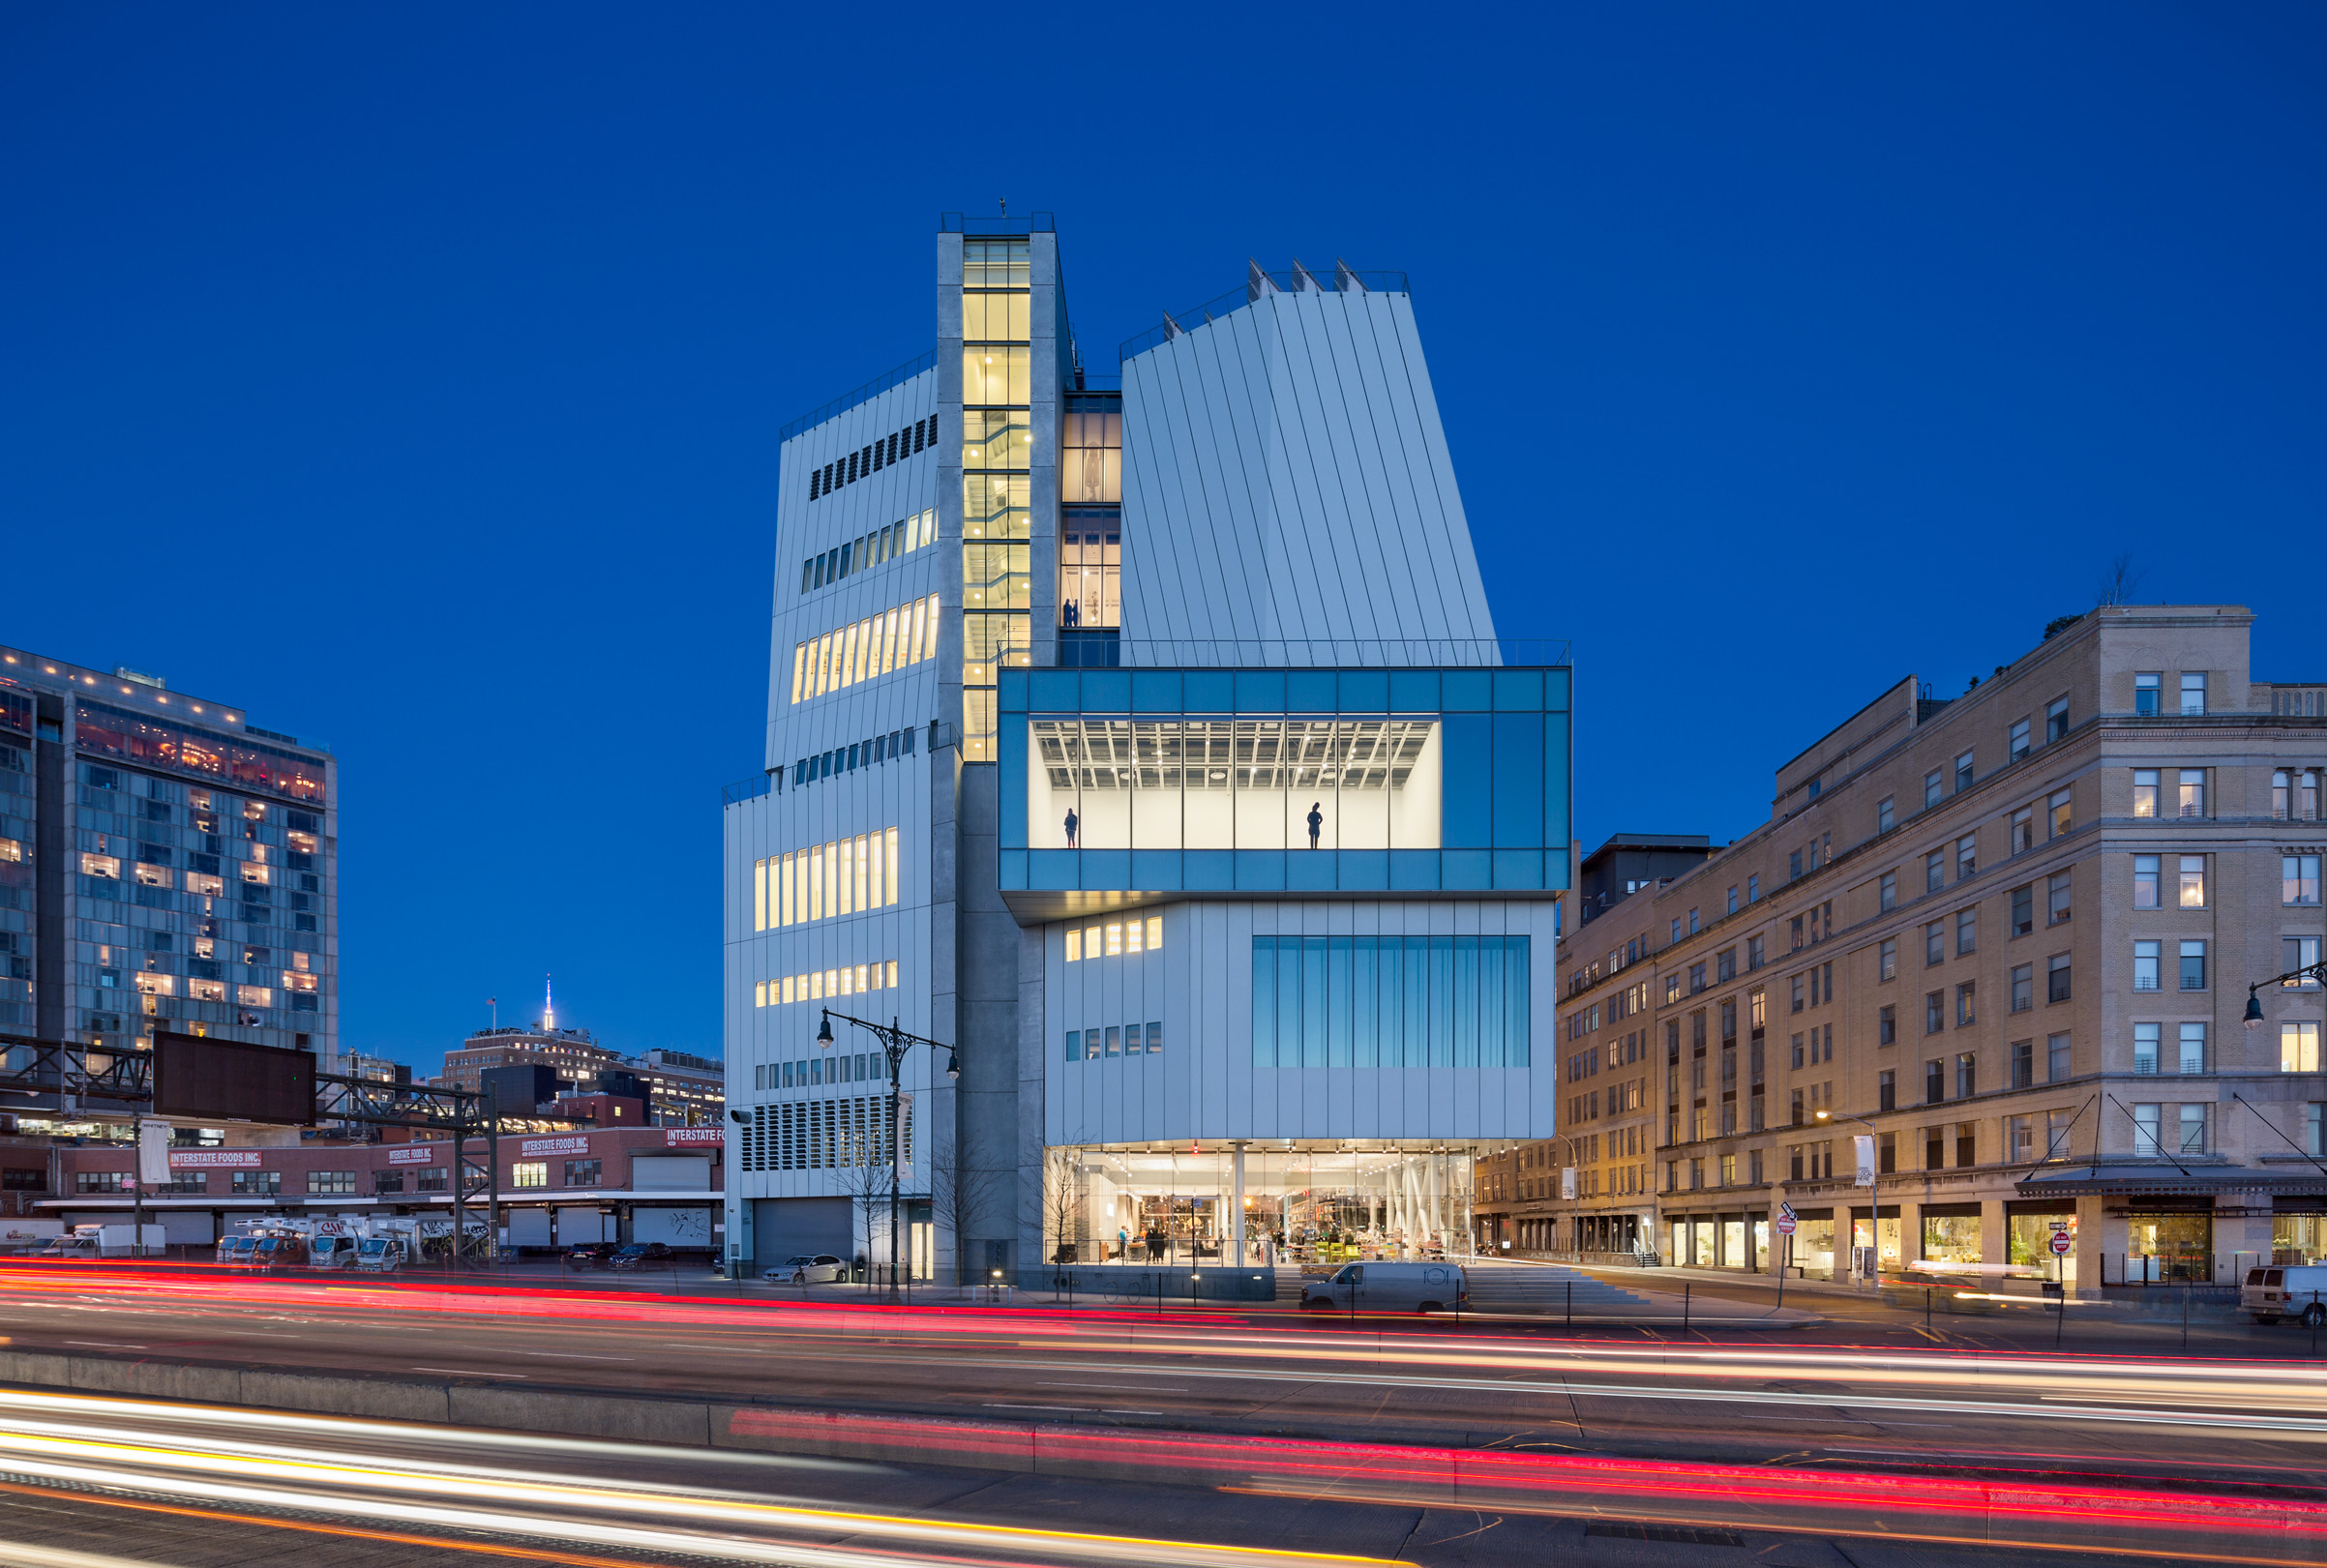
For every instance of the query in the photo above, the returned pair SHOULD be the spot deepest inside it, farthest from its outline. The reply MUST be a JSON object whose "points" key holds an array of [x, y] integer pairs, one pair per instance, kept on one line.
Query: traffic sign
{"points": [[1787, 1209], [2060, 1243], [1786, 1222]]}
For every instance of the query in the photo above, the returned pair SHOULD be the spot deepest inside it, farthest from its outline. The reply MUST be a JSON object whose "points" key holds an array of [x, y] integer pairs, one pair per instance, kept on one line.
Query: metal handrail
{"points": [[1268, 653], [1229, 304], [862, 395]]}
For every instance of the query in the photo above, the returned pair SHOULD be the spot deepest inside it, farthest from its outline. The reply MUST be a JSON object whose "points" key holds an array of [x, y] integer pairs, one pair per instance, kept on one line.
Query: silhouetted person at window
{"points": [[1317, 821], [1072, 822]]}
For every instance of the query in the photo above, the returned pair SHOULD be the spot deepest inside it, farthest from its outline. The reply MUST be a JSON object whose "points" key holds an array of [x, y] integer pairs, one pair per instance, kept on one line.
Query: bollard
{"points": [[1572, 1309]]}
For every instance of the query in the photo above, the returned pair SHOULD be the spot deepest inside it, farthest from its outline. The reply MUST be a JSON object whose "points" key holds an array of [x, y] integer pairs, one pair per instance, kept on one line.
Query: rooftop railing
{"points": [[1345, 281], [865, 394], [1362, 652]]}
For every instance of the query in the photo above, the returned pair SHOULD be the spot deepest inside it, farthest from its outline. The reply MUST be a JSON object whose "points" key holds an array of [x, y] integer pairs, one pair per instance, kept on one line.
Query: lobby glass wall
{"points": [[1305, 1204]]}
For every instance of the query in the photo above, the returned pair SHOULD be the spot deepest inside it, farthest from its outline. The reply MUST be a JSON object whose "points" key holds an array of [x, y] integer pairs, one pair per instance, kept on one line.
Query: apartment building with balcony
{"points": [[2006, 936]]}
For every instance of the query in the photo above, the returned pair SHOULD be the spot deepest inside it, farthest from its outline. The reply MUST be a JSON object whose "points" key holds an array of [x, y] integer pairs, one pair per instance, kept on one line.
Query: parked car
{"points": [[639, 1254], [1389, 1286], [242, 1250], [592, 1254], [821, 1269], [2297, 1291]]}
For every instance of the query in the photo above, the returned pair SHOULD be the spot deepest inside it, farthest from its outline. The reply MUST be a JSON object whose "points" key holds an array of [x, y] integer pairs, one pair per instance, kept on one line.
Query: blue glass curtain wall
{"points": [[1285, 781], [1389, 1001]]}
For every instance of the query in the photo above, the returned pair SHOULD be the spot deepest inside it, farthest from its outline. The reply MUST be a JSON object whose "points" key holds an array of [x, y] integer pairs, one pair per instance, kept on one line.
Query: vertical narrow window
{"points": [[868, 883], [815, 883], [2145, 791], [878, 843], [889, 891], [2193, 690], [2299, 1048], [833, 881], [1263, 1001], [2194, 1047], [799, 667], [759, 895], [2146, 686]]}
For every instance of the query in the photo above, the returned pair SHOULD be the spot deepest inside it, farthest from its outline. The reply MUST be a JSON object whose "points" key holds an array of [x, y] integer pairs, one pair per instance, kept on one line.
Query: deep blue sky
{"points": [[411, 375]]}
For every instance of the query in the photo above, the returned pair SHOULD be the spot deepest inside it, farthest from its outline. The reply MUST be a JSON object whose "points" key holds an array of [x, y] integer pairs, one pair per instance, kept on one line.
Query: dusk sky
{"points": [[411, 376]]}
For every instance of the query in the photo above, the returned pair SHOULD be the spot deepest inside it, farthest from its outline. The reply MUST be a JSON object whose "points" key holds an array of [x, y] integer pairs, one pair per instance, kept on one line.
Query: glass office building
{"points": [[164, 864], [1219, 834]]}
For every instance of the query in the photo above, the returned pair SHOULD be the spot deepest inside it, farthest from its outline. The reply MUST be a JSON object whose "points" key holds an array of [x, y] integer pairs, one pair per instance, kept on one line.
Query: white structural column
{"points": [[1236, 1212]]}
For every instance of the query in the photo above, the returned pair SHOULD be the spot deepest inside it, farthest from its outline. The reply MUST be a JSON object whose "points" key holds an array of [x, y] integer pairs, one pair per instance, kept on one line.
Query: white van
{"points": [[1389, 1288], [2297, 1291]]}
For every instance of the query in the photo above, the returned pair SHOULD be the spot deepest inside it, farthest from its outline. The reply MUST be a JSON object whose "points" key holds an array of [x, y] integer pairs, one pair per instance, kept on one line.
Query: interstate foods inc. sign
{"points": [[213, 1158]]}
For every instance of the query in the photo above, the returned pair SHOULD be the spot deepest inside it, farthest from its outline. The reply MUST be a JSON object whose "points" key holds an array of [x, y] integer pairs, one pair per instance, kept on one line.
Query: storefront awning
{"points": [[2165, 1181]]}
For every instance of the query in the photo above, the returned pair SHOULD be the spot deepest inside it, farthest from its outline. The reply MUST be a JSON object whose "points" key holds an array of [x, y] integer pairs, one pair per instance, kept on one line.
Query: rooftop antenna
{"points": [[495, 1002], [549, 1008], [1005, 205]]}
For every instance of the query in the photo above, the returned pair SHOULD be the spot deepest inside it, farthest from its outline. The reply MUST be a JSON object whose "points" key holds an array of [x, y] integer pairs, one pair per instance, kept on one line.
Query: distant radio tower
{"points": [[549, 1008]]}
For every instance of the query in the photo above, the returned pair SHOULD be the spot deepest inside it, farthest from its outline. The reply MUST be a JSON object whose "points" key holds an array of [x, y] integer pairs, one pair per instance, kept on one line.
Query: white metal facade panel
{"points": [[892, 793], [1205, 1088], [1285, 476]]}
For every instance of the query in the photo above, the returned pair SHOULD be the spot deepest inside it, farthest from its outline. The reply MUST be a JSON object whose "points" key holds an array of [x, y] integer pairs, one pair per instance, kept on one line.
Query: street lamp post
{"points": [[1874, 1185], [2315, 974], [1572, 1234], [895, 1042]]}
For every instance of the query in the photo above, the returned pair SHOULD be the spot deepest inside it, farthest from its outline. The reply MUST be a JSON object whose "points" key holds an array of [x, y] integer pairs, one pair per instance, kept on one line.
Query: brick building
{"points": [[2008, 938]]}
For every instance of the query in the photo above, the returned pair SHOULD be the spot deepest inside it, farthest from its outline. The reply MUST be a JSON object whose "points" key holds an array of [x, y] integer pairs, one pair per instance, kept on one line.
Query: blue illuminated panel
{"points": [[1389, 1001]]}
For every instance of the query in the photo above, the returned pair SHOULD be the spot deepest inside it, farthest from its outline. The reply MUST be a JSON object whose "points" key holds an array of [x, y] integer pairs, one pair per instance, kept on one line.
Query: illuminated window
{"points": [[253, 996], [109, 865], [1135, 936], [530, 1173], [787, 991], [2299, 1048], [893, 972], [1154, 933], [1115, 939], [1074, 945]]}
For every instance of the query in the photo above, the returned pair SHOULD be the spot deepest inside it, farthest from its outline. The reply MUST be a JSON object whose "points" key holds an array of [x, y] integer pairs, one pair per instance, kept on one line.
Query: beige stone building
{"points": [[2006, 936]]}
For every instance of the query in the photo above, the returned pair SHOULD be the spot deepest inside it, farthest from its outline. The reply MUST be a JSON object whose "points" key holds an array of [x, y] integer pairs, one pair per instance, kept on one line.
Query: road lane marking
{"points": [[106, 1344], [1129, 1388], [574, 1355], [455, 1372], [990, 1404]]}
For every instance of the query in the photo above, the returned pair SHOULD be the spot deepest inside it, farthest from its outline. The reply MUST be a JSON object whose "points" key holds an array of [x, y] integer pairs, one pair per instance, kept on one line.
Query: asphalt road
{"points": [[1621, 1410], [104, 1483]]}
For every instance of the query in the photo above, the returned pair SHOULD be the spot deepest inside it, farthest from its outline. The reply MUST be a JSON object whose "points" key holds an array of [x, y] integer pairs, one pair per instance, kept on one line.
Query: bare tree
{"points": [[1063, 1203], [865, 1175], [2118, 581], [960, 1198]]}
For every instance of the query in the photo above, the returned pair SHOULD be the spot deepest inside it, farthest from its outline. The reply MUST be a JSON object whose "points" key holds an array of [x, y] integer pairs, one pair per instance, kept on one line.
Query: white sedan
{"points": [[821, 1269]]}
